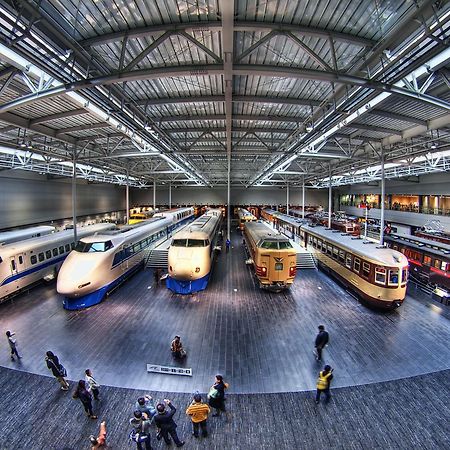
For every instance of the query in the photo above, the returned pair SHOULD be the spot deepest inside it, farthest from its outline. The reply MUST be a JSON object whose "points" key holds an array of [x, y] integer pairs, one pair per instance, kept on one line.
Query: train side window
{"points": [[329, 249], [393, 277], [48, 254], [427, 260], [356, 264], [13, 265], [72, 245], [20, 260], [444, 265], [41, 257], [341, 256], [380, 275], [335, 253], [67, 248], [33, 259], [437, 263], [55, 252], [348, 261], [366, 270], [404, 275], [61, 249]]}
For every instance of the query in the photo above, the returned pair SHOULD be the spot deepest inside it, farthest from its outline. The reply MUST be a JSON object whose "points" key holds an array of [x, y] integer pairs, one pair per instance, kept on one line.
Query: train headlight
{"points": [[292, 271], [263, 270], [197, 269]]}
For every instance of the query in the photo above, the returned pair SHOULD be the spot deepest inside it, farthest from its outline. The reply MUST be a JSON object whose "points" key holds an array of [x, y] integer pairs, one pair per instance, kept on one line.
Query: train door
{"points": [[13, 265]]}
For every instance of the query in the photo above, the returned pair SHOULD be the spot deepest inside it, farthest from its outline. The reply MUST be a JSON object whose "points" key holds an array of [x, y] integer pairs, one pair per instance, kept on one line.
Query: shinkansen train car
{"points": [[244, 216], [273, 256], [26, 262], [429, 260], [8, 237], [377, 274], [192, 252], [100, 263]]}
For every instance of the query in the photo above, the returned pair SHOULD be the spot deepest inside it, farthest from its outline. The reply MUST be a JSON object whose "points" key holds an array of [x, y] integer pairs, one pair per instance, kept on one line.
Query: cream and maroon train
{"points": [[245, 216], [273, 256], [192, 252], [377, 274]]}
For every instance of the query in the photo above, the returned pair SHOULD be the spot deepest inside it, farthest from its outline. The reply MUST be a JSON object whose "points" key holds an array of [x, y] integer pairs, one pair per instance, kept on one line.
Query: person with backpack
{"points": [[58, 370], [216, 395], [12, 345], [140, 432], [85, 397], [323, 383], [321, 341]]}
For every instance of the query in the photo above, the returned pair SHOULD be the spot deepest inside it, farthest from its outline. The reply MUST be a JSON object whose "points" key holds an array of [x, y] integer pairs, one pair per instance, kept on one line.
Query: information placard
{"points": [[187, 372]]}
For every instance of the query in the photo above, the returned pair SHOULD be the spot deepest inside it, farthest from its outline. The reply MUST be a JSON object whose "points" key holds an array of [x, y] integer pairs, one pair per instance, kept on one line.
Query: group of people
{"points": [[162, 416], [326, 375]]}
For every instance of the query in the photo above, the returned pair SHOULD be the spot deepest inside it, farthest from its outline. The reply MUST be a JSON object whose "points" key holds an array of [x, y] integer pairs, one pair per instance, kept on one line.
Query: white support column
{"points": [[170, 195], [74, 196], [383, 193], [330, 192], [127, 199], [303, 198], [154, 195], [287, 198]]}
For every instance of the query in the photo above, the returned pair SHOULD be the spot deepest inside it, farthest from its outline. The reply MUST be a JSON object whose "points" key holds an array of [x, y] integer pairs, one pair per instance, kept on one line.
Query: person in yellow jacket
{"points": [[198, 411], [323, 383]]}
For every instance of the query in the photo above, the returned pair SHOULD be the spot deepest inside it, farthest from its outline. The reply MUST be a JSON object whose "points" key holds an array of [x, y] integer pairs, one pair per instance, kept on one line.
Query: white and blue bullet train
{"points": [[100, 263], [8, 237], [26, 262], [191, 254]]}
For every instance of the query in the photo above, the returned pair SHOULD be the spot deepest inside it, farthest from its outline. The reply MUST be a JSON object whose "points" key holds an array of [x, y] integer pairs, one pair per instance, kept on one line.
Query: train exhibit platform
{"points": [[391, 368]]}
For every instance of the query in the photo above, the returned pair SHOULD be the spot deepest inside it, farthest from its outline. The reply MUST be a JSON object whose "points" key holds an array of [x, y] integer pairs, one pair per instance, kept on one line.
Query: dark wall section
{"points": [[27, 198], [252, 196]]}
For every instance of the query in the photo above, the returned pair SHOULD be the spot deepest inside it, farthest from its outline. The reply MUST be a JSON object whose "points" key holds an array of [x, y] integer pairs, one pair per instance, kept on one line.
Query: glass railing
{"points": [[406, 208]]}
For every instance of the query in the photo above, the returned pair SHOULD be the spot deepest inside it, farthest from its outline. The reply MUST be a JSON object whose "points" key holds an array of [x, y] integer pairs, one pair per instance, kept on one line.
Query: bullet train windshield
{"points": [[90, 247], [190, 243]]}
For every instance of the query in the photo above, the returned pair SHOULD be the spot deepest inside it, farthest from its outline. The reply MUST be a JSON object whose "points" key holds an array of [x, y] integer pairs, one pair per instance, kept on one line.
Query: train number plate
{"points": [[278, 266], [169, 370]]}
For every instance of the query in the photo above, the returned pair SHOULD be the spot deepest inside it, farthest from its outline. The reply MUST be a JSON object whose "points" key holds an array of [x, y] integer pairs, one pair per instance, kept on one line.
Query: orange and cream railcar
{"points": [[273, 256], [377, 274], [245, 216]]}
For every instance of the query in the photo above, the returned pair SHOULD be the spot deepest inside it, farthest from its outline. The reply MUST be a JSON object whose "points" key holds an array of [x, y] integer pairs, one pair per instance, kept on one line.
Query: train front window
{"points": [[196, 243], [393, 277], [92, 247], [270, 245], [179, 243], [284, 245]]}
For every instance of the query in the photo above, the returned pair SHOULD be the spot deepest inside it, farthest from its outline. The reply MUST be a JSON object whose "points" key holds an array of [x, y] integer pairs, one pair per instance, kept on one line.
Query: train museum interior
{"points": [[224, 224]]}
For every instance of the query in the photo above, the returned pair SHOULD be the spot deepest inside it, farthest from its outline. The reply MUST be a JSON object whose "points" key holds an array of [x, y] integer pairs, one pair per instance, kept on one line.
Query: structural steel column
{"points": [[227, 8], [303, 198], [154, 195], [287, 198], [170, 195], [127, 199], [382, 198], [329, 198], [74, 196]]}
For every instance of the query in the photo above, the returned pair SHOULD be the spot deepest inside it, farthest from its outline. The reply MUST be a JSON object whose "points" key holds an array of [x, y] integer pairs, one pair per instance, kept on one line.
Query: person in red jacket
{"points": [[99, 442]]}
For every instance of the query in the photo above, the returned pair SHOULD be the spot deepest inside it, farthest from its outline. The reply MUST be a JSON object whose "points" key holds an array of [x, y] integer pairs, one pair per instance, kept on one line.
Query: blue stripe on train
{"points": [[187, 287], [96, 297]]}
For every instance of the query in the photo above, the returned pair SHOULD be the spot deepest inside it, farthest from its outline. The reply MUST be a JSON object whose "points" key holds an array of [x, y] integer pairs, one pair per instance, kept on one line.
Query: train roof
{"points": [[435, 247], [14, 234], [23, 246], [200, 226], [244, 212], [262, 231], [286, 218], [365, 248]]}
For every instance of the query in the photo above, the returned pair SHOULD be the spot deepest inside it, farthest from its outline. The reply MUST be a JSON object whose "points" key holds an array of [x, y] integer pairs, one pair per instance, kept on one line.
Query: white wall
{"points": [[254, 196]]}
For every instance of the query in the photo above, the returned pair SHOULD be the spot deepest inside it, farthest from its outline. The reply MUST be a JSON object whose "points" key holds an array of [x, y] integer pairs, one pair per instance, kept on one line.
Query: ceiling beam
{"points": [[211, 117], [61, 115], [245, 26], [395, 116], [223, 129]]}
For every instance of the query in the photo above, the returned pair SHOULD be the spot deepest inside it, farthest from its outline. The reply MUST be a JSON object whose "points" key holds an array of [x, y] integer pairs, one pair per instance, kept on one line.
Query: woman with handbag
{"points": [[216, 395], [58, 370], [85, 397]]}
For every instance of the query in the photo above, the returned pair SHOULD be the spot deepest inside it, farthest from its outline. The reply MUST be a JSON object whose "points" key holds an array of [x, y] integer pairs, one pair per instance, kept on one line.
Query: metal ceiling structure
{"points": [[220, 92]]}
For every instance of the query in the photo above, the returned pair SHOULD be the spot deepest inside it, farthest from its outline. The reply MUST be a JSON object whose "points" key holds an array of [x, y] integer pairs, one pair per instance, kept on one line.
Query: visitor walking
{"points": [[216, 395], [321, 341], [85, 397], [141, 430], [99, 442], [12, 345], [323, 383], [58, 370], [92, 383]]}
